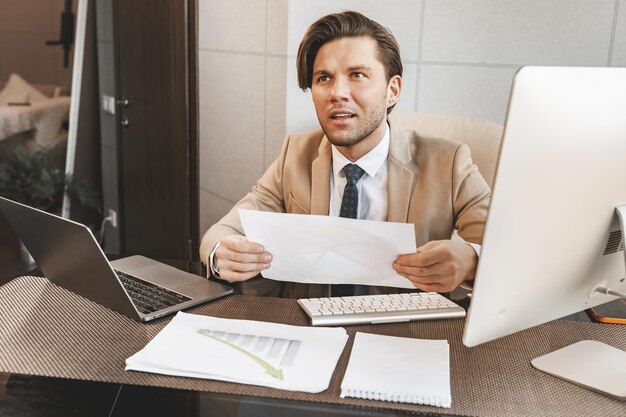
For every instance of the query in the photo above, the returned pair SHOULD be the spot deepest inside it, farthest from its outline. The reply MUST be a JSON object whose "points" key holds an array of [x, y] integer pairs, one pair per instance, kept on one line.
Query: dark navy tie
{"points": [[350, 200], [349, 208]]}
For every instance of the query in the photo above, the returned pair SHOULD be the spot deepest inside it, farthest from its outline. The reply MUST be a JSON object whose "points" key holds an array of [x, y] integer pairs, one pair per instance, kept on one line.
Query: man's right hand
{"points": [[238, 259]]}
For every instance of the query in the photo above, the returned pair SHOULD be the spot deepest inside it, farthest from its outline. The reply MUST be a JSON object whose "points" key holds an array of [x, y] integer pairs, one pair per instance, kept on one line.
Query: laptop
{"points": [[69, 256]]}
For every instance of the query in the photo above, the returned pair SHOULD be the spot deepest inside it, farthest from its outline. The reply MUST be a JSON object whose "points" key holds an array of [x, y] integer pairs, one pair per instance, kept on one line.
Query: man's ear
{"points": [[394, 87]]}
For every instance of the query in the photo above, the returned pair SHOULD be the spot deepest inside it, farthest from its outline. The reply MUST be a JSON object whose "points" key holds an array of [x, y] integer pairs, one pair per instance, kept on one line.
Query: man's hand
{"points": [[439, 265], [238, 259]]}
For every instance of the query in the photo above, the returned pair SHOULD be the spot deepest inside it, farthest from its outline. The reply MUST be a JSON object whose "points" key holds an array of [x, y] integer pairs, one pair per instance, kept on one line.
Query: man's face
{"points": [[351, 94]]}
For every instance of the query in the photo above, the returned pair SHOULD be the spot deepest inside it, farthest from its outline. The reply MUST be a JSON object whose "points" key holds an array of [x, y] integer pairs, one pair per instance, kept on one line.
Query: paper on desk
{"points": [[398, 369], [330, 250], [268, 354]]}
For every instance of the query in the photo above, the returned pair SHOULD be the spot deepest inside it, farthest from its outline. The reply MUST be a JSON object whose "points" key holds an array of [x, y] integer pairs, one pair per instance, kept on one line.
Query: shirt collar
{"points": [[371, 162]]}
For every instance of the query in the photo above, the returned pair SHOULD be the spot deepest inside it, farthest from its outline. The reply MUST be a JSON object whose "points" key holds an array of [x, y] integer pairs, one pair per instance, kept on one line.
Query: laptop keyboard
{"points": [[149, 297], [384, 308]]}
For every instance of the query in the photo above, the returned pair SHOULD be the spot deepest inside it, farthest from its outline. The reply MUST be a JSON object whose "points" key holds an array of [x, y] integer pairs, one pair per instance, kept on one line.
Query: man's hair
{"points": [[348, 24]]}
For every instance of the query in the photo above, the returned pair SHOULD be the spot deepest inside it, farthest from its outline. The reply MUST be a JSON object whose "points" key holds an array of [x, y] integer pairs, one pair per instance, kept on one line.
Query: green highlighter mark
{"points": [[275, 372]]}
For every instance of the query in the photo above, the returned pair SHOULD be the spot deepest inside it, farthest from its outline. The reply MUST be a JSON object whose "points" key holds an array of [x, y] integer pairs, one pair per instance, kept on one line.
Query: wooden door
{"points": [[155, 47]]}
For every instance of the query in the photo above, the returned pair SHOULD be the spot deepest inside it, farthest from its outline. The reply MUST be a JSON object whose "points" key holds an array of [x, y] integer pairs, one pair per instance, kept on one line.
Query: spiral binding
{"points": [[395, 396]]}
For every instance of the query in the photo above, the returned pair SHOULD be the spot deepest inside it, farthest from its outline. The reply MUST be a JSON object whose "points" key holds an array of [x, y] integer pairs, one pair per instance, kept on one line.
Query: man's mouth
{"points": [[341, 116]]}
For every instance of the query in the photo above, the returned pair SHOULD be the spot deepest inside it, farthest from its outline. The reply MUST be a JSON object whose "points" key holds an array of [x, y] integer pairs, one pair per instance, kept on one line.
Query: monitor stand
{"points": [[588, 363]]}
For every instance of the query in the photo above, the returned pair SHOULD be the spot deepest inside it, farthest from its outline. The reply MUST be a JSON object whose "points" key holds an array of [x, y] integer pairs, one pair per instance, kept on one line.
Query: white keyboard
{"points": [[385, 308]]}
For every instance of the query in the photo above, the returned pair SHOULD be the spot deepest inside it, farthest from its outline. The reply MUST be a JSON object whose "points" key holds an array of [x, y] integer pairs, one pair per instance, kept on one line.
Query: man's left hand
{"points": [[439, 265]]}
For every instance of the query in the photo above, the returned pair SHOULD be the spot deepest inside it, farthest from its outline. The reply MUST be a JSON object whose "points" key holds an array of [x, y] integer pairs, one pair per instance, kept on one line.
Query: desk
{"points": [[52, 332]]}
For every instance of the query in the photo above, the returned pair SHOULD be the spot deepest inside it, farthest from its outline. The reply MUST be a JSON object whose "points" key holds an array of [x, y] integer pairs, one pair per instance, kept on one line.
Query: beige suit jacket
{"points": [[432, 183]]}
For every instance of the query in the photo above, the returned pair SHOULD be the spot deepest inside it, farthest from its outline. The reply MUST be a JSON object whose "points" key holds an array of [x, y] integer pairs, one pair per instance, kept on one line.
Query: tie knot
{"points": [[353, 173]]}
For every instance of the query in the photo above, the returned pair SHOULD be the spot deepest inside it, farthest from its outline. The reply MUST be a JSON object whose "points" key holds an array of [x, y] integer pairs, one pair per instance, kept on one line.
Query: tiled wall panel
{"points": [[277, 26], [480, 92], [233, 25], [275, 104], [231, 123], [300, 110], [409, 88], [556, 32], [214, 208]]}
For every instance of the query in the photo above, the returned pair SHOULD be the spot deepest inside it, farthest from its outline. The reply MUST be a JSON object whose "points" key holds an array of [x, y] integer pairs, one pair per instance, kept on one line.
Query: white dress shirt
{"points": [[372, 186]]}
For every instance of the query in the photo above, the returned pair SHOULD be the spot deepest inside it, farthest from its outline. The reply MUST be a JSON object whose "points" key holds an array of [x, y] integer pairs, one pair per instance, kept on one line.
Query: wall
{"points": [[242, 71], [459, 58], [25, 26]]}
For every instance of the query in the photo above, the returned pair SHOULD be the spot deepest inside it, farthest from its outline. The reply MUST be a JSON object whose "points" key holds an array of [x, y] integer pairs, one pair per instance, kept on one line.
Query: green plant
{"points": [[36, 178]]}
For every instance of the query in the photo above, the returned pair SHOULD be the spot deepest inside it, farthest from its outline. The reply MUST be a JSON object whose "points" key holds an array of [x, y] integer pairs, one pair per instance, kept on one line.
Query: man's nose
{"points": [[340, 90]]}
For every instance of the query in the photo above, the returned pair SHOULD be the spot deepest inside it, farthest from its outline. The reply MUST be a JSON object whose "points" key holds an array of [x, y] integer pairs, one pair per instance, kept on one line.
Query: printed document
{"points": [[249, 352], [330, 250]]}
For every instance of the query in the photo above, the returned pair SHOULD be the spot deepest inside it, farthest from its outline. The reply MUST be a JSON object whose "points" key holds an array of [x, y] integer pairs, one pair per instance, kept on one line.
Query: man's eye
{"points": [[323, 78], [358, 75]]}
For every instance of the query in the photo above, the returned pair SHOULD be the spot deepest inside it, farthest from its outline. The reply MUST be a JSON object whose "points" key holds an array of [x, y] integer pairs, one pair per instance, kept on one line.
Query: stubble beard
{"points": [[362, 130]]}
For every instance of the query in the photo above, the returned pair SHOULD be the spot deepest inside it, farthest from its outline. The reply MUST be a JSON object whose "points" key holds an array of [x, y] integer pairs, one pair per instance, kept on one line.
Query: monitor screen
{"points": [[553, 235]]}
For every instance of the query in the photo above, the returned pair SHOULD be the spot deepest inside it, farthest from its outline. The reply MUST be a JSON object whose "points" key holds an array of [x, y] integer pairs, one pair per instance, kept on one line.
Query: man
{"points": [[358, 165]]}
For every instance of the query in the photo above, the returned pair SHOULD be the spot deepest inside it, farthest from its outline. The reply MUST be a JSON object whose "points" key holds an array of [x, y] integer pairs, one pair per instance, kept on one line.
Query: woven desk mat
{"points": [[46, 330]]}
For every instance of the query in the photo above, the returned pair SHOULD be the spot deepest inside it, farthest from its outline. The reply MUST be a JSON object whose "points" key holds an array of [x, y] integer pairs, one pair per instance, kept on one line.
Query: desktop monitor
{"points": [[554, 242]]}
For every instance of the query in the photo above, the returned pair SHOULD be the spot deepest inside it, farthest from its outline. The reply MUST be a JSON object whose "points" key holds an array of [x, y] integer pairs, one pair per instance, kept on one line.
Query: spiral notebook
{"points": [[398, 369]]}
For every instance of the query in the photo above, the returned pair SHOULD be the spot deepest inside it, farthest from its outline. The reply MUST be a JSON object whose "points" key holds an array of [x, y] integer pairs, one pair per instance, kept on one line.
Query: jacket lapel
{"points": [[320, 183], [401, 179], [400, 183]]}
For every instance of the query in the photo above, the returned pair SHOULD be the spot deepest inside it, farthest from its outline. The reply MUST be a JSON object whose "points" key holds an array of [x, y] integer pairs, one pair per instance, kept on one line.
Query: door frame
{"points": [[194, 129]]}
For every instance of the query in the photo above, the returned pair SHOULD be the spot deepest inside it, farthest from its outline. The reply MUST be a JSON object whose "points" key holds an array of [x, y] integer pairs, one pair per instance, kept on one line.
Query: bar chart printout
{"points": [[268, 354]]}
